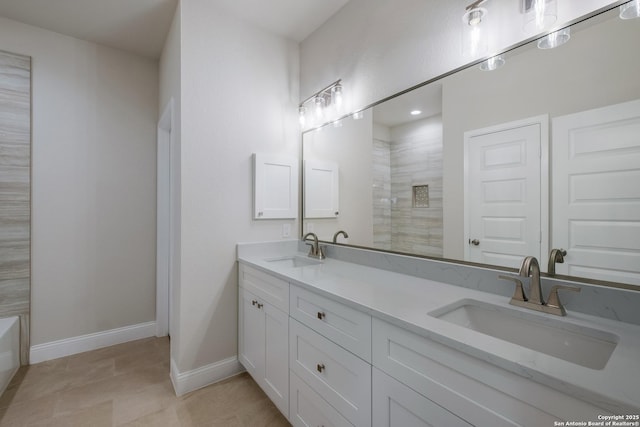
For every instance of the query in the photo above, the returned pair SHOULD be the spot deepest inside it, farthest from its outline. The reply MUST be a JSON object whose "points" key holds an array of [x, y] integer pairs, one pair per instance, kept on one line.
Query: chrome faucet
{"points": [[335, 236], [315, 251], [531, 269], [556, 255]]}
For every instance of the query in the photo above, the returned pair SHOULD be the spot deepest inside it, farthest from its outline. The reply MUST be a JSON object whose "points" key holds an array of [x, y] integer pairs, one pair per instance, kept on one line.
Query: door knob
{"points": [[474, 242]]}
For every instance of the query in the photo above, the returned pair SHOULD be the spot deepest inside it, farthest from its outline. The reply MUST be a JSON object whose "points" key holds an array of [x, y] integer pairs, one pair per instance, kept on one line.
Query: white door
{"points": [[164, 222], [596, 192], [506, 195]]}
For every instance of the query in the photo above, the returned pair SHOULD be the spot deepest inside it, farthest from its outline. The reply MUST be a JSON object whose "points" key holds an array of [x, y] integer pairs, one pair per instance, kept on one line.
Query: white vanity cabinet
{"points": [[330, 377], [395, 405], [472, 389], [263, 333]]}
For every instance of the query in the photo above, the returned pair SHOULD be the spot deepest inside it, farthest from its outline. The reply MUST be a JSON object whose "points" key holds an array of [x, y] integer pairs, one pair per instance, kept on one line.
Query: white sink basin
{"points": [[293, 261], [583, 346]]}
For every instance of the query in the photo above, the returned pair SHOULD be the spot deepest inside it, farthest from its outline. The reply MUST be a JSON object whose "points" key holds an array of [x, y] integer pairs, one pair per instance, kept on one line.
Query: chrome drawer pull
{"points": [[321, 315], [254, 302], [260, 305], [320, 367]]}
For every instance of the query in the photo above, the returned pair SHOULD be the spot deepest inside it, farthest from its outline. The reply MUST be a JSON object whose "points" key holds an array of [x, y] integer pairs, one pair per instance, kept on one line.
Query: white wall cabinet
{"points": [[321, 189], [275, 187], [263, 345]]}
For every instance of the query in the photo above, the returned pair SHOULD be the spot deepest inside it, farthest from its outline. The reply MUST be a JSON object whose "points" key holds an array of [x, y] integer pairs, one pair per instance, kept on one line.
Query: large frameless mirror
{"points": [[490, 166]]}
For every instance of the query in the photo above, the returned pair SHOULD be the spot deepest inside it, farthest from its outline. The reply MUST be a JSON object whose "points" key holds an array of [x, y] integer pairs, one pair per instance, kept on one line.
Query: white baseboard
{"points": [[74, 345], [185, 382]]}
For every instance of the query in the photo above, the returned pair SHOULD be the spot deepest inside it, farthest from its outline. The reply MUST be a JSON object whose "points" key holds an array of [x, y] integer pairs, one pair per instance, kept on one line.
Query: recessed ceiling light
{"points": [[416, 112]]}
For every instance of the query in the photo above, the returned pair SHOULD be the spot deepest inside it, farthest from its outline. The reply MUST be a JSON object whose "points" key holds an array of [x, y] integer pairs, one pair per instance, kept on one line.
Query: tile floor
{"points": [[128, 385]]}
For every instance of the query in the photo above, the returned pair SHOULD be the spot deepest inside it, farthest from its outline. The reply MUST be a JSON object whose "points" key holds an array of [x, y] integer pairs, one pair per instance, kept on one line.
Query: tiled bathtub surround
{"points": [[15, 189]]}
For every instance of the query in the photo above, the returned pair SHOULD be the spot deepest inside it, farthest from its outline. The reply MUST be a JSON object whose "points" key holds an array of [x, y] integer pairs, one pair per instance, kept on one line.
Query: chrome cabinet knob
{"points": [[474, 242], [321, 315], [320, 367]]}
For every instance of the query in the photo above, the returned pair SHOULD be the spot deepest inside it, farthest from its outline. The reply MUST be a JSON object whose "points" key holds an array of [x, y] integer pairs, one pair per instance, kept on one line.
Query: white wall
{"points": [[93, 168], [239, 96], [351, 147], [380, 47]]}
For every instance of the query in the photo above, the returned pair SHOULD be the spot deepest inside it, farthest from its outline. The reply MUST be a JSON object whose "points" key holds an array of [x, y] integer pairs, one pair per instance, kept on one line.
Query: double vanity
{"points": [[342, 343]]}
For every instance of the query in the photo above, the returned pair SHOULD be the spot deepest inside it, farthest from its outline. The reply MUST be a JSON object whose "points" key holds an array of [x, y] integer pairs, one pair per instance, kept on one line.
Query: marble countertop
{"points": [[406, 301]]}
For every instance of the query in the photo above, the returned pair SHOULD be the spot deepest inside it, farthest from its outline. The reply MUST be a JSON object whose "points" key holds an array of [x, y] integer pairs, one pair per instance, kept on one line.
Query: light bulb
{"points": [[302, 112], [319, 102], [337, 97], [539, 15], [473, 33]]}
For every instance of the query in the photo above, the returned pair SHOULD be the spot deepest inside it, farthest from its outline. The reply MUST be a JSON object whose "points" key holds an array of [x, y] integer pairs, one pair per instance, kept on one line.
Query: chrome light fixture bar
{"points": [[329, 97]]}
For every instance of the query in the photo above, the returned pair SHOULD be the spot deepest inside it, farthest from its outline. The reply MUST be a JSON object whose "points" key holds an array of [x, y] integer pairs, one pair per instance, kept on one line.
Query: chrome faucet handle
{"points": [[554, 300], [518, 295]]}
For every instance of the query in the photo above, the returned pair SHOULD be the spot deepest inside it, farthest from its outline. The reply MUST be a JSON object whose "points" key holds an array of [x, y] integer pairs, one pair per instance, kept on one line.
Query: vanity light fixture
{"points": [[302, 115], [474, 40], [330, 96], [630, 10], [555, 39], [416, 112], [492, 63], [539, 14]]}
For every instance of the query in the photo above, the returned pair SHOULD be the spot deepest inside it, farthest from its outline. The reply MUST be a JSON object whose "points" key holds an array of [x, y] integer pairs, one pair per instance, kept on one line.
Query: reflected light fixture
{"points": [[330, 96], [539, 14], [555, 39], [416, 112], [492, 63], [630, 10], [302, 113], [474, 39], [357, 115]]}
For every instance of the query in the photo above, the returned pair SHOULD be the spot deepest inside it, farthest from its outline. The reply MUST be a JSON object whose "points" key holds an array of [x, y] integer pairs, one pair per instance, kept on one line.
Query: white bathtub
{"points": [[9, 350]]}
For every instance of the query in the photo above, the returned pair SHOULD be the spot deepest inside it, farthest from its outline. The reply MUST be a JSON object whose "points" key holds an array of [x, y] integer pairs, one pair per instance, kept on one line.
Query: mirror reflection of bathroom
{"points": [[489, 142]]}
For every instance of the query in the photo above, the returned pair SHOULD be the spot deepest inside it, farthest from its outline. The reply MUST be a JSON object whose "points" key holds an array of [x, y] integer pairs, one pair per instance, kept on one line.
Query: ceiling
{"points": [[397, 111], [141, 26]]}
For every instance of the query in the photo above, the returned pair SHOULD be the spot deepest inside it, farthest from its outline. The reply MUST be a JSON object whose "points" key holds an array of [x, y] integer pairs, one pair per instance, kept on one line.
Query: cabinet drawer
{"points": [[395, 404], [343, 325], [341, 378], [476, 391], [309, 409], [271, 289]]}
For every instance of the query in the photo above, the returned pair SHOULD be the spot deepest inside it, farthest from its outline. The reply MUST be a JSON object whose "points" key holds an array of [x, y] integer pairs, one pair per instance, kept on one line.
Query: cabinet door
{"points": [[308, 409], [276, 366], [395, 404], [275, 186], [321, 189], [251, 337]]}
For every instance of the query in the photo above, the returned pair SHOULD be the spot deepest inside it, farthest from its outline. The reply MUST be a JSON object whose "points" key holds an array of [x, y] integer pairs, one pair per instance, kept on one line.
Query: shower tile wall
{"points": [[381, 194], [414, 158], [15, 190]]}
